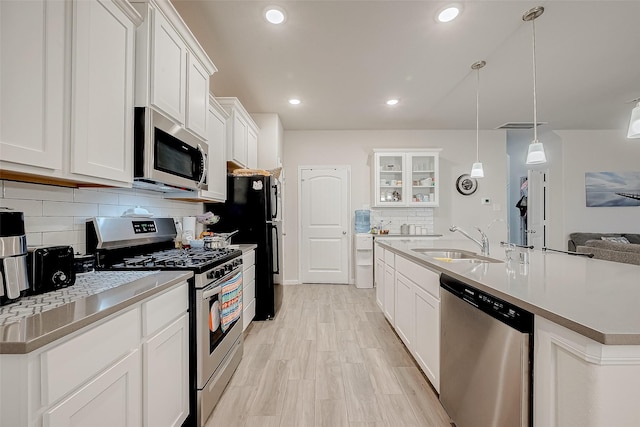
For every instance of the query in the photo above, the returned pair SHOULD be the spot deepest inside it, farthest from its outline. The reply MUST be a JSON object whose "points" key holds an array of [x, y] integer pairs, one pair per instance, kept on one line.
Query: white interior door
{"points": [[324, 225], [537, 208]]}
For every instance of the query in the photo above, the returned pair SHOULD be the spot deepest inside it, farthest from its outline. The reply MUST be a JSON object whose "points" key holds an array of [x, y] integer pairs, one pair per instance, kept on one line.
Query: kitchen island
{"points": [[587, 324]]}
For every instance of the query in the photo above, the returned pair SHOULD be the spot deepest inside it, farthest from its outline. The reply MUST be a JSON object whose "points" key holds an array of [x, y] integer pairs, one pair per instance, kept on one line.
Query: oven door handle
{"points": [[208, 293]]}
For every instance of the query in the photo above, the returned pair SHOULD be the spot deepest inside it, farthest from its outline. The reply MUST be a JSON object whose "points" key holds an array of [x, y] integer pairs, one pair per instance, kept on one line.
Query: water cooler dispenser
{"points": [[363, 250]]}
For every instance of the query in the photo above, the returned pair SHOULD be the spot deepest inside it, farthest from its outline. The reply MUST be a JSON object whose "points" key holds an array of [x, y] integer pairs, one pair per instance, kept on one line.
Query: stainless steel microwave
{"points": [[166, 156]]}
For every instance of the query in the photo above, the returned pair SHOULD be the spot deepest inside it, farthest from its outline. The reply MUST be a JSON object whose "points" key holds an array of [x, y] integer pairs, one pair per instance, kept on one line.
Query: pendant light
{"points": [[476, 170], [535, 155], [634, 122]]}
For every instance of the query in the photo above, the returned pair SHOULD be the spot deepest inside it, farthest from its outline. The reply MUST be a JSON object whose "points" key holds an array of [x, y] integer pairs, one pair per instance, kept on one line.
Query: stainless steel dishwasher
{"points": [[485, 358]]}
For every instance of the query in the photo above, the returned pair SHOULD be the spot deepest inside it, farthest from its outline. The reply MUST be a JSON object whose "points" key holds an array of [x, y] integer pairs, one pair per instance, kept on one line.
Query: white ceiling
{"points": [[343, 59]]}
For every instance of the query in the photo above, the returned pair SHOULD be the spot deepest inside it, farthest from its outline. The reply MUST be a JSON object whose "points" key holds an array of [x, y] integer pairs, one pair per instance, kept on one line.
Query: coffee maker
{"points": [[14, 282]]}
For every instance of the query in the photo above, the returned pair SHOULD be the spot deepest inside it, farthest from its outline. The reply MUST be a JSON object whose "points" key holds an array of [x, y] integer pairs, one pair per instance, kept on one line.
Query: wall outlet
{"points": [[486, 201]]}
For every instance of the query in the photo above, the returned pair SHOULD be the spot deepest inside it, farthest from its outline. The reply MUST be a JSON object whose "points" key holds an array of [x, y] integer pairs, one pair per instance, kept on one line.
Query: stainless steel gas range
{"points": [[215, 297]]}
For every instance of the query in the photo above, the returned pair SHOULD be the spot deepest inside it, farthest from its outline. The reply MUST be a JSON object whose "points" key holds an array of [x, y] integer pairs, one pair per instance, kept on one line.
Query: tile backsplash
{"points": [[393, 218], [56, 215]]}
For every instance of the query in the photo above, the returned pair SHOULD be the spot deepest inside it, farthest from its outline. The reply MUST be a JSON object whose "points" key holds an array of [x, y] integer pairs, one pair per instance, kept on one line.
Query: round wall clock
{"points": [[466, 185]]}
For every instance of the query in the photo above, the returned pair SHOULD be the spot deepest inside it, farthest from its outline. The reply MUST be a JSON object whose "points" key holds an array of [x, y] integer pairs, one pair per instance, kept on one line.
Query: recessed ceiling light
{"points": [[448, 14], [275, 15], [392, 101], [294, 101]]}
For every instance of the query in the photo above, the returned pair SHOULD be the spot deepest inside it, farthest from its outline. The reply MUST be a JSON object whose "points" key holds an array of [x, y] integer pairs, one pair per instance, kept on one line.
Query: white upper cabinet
{"points": [[32, 100], [252, 148], [172, 69], [406, 178], [270, 141], [169, 68], [217, 176], [65, 111], [242, 134], [102, 125], [198, 96]]}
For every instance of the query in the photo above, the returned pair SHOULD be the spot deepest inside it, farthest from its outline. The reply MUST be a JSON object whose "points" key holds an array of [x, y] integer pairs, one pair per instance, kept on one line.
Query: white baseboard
{"points": [[290, 282]]}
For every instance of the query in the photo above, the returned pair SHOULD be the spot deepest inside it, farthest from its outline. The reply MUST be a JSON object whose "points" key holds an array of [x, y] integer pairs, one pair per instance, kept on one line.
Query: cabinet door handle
{"points": [[344, 233]]}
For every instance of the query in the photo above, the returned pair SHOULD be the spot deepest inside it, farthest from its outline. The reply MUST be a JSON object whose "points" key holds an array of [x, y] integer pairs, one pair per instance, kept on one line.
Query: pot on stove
{"points": [[13, 256], [220, 240]]}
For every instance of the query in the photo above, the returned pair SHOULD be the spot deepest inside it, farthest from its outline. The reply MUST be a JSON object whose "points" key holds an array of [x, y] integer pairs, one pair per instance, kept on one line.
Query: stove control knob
{"points": [[59, 278]]}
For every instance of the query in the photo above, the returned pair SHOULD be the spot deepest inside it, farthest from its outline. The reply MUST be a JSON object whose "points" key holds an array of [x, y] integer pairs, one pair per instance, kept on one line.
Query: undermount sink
{"points": [[454, 255]]}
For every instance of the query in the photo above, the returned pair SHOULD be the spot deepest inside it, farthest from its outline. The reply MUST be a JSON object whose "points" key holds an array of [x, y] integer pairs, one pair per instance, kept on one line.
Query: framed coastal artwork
{"points": [[610, 189]]}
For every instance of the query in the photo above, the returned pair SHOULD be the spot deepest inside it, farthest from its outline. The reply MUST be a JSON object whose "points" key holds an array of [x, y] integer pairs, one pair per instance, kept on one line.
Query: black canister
{"points": [[84, 263], [13, 256], [11, 223]]}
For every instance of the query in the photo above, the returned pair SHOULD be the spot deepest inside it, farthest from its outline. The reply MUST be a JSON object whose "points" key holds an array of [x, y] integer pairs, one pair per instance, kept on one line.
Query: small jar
{"points": [[412, 229]]}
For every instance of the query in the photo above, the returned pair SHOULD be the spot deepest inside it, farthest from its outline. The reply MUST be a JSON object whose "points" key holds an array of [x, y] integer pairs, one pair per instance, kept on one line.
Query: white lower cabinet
{"points": [[404, 310], [248, 287], [110, 399], [580, 382], [417, 315], [378, 275], [166, 375], [130, 369], [389, 293], [426, 345]]}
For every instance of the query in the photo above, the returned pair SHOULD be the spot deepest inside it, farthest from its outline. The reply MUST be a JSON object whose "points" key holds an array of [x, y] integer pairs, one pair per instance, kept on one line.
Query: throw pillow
{"points": [[615, 239]]}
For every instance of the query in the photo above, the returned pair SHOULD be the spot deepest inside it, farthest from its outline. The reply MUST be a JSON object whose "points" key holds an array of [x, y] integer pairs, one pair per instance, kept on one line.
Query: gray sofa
{"points": [[602, 249]]}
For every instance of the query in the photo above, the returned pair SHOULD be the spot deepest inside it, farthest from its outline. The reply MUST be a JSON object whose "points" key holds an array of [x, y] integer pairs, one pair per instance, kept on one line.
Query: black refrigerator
{"points": [[252, 209]]}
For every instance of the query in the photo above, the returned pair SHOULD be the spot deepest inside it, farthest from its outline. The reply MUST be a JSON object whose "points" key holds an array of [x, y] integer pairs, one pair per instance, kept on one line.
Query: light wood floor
{"points": [[328, 359]]}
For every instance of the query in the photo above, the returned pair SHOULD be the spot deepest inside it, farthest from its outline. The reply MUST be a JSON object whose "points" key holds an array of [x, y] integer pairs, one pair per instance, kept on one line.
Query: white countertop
{"points": [[245, 247], [595, 298]]}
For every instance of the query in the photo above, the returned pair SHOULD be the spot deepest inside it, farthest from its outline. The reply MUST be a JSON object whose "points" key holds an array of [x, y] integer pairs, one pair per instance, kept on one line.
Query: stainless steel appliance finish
{"points": [[167, 156], [218, 351], [485, 353], [114, 232], [147, 244], [13, 256]]}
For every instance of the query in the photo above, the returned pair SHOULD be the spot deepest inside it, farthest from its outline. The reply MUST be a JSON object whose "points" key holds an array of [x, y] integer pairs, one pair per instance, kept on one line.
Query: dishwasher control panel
{"points": [[504, 311]]}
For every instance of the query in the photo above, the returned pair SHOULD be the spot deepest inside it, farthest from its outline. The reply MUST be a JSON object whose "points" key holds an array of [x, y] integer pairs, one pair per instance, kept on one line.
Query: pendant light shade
{"points": [[476, 169], [535, 154], [634, 123]]}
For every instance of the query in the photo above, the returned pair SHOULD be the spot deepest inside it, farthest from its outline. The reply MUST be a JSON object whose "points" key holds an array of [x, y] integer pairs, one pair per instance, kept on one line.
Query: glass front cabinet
{"points": [[405, 178]]}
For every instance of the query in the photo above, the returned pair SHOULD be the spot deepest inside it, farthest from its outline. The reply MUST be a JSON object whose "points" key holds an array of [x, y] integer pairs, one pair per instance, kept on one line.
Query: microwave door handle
{"points": [[204, 167]]}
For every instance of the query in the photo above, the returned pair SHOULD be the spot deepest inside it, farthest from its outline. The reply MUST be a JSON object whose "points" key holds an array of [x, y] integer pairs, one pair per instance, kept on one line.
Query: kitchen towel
{"points": [[231, 307]]}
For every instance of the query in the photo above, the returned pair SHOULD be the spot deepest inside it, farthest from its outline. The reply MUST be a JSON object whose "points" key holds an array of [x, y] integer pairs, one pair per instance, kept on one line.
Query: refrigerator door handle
{"points": [[275, 200], [276, 269]]}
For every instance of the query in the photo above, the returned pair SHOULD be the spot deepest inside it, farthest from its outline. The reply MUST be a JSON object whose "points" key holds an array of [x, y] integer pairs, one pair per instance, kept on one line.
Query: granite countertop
{"points": [[595, 298], [37, 320]]}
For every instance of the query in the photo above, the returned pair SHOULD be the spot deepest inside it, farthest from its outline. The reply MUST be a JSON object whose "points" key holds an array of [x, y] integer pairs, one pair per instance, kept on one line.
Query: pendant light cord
{"points": [[478, 115], [535, 108]]}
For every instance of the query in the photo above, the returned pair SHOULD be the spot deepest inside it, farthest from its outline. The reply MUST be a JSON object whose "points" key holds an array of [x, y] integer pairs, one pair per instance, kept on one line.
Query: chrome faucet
{"points": [[484, 243]]}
